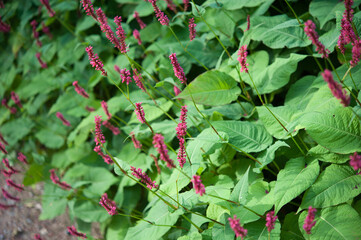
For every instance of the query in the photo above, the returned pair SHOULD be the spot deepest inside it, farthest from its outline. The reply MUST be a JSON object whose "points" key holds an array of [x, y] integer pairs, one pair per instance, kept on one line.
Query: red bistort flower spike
{"points": [[99, 137], [7, 173], [4, 27], [140, 112], [104, 26], [89, 109], [64, 185], [181, 132], [171, 5], [121, 34], [125, 76], [310, 30], [336, 88], [156, 163], [22, 158], [72, 230], [111, 127], [4, 206], [158, 142], [162, 18], [117, 68], [7, 165], [248, 23], [107, 159], [53, 177], [95, 61], [178, 70], [242, 59], [140, 22], [138, 79], [4, 102], [2, 148], [186, 4], [42, 64], [2, 139], [270, 221], [36, 33], [108, 204], [46, 4], [81, 91], [176, 90], [37, 236], [236, 227], [309, 221], [11, 183], [143, 177], [89, 9], [16, 99], [355, 161], [192, 29], [136, 143], [46, 30], [198, 185], [356, 53], [61, 117], [9, 196], [105, 108], [136, 35]]}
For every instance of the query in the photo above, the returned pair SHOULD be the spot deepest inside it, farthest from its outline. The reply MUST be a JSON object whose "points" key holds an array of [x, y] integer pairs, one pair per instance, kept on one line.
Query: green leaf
{"points": [[100, 178], [16, 129], [225, 232], [325, 10], [212, 88], [246, 136], [50, 139], [117, 228], [333, 129], [326, 156], [53, 201], [152, 112], [339, 222], [293, 180], [258, 231], [240, 191], [89, 211], [237, 4], [337, 184], [290, 229], [268, 155]]}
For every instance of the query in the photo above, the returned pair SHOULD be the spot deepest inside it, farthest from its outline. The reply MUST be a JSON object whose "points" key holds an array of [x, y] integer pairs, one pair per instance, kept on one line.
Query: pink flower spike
{"points": [[108, 204], [53, 177], [356, 53], [121, 34], [186, 4], [48, 8], [248, 23], [310, 30], [16, 99], [104, 26], [242, 59], [89, 9], [176, 90], [171, 5], [138, 79], [236, 227], [111, 127], [140, 22], [2, 139], [198, 185], [355, 161], [42, 64], [136, 35], [178, 70], [89, 109], [2, 148], [192, 30], [81, 91], [11, 183], [162, 18], [95, 61], [117, 68], [136, 143], [3, 206], [270, 221], [72, 230], [107, 159], [99, 137], [4, 27], [36, 33], [143, 177], [9, 196], [7, 165], [140, 112], [37, 236], [105, 108], [7, 173], [4, 102], [64, 185], [158, 142], [336, 88], [61, 117], [309, 221], [22, 158], [181, 132], [46, 30], [125, 76]]}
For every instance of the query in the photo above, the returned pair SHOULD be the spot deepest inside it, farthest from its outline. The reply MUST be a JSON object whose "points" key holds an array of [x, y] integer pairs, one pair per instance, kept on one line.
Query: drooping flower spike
{"points": [[72, 230], [136, 143], [121, 34], [10, 168], [236, 227], [17, 187], [270, 221], [162, 18], [137, 79], [95, 61], [55, 179], [105, 108], [136, 35], [143, 177], [198, 185], [46, 30], [2, 139], [42, 63], [16, 99], [46, 4], [36, 33], [140, 22], [336, 88], [7, 173], [158, 142], [61, 117], [309, 221], [355, 161], [248, 23], [89, 9], [104, 26], [9, 196], [2, 148], [107, 159], [242, 59], [140, 112], [81, 91], [192, 29], [108, 204], [178, 70], [310, 30]]}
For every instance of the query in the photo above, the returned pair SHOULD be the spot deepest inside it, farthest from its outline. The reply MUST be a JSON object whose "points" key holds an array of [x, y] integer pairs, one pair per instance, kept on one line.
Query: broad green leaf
{"points": [[290, 229], [152, 112], [258, 231], [212, 88], [240, 191], [337, 184], [245, 136], [225, 232], [50, 139], [237, 4], [89, 211], [15, 130], [294, 179], [339, 222], [53, 201], [325, 10], [100, 178], [233, 111], [268, 155], [333, 129], [326, 156]]}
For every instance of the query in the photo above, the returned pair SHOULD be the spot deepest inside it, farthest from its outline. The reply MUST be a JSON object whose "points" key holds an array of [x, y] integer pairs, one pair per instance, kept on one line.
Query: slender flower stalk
{"points": [[46, 4], [162, 18], [181, 132], [121, 34], [178, 70], [198, 185], [143, 177], [42, 64], [36, 33], [2, 139], [9, 196], [242, 59], [140, 22], [140, 112], [192, 29], [309, 221], [17, 187], [125, 76], [136, 35], [236, 227], [4, 27], [158, 142], [111, 127], [61, 117], [248, 23], [95, 61], [72, 230], [99, 137], [105, 108], [81, 91], [16, 99], [136, 143], [310, 30], [336, 88], [355, 161], [137, 79], [89, 9], [108, 204], [22, 158], [270, 221], [186, 4], [46, 30]]}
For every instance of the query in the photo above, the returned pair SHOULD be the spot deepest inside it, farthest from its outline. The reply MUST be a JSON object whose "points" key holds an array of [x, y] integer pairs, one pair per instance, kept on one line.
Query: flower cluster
{"points": [[72, 230], [242, 59], [248, 23], [181, 132], [42, 63], [36, 33], [108, 204], [136, 143], [46, 30], [192, 29], [309, 221], [22, 158], [17, 187], [121, 34], [16, 99], [198, 185], [236, 227], [125, 76], [310, 30], [158, 142], [137, 79], [95, 61], [46, 4], [106, 110], [55, 179], [136, 35], [162, 18], [89, 9], [62, 118], [81, 91], [178, 70], [186, 4], [140, 22], [336, 88], [143, 177], [99, 140], [270, 221], [171, 5], [140, 112], [355, 161]]}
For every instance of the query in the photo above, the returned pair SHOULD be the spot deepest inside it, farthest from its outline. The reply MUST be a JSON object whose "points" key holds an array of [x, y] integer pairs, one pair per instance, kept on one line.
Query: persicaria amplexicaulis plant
{"points": [[237, 228], [198, 185]]}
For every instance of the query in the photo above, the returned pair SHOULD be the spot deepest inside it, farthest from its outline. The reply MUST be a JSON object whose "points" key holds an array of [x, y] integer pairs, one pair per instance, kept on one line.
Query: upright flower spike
{"points": [[143, 177], [248, 23], [136, 35], [171, 5], [125, 76], [107, 159], [138, 79], [108, 204], [309, 221], [140, 22], [186, 4], [22, 158], [36, 33], [104, 26], [46, 30], [89, 9], [192, 29], [121, 34], [136, 143], [236, 227], [356, 53], [99, 137], [198, 185], [16, 99], [178, 70], [72, 230], [336, 88], [46, 4], [95, 61], [140, 112], [162, 18], [310, 30], [111, 127], [9, 196], [17, 187], [81, 91], [42, 64], [242, 59], [61, 117], [2, 139], [158, 142], [270, 221], [105, 108], [181, 132], [355, 161]]}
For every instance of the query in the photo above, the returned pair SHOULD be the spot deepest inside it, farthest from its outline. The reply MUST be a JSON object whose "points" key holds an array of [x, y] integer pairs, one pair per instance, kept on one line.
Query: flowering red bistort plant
{"points": [[16, 99], [270, 220], [192, 29], [9, 196], [108, 204], [158, 142], [309, 221], [125, 76], [138, 79], [140, 112], [17, 187], [121, 34], [336, 88], [36, 33], [89, 9], [310, 30], [42, 64], [242, 59], [111, 127], [81, 91], [178, 70], [2, 148], [198, 185], [347, 33], [95, 61], [140, 22], [181, 132], [104, 26], [136, 143], [136, 35], [61, 117], [143, 177], [356, 53], [355, 161], [237, 228], [72, 230], [105, 108], [99, 138], [162, 18], [46, 4], [7, 165]]}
